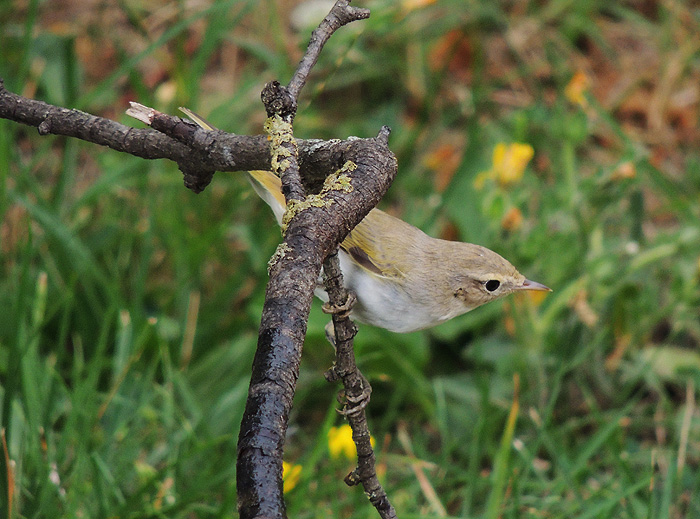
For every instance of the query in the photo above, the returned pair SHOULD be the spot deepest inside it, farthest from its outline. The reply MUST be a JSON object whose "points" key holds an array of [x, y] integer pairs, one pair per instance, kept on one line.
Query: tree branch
{"points": [[313, 228], [173, 138], [311, 235], [356, 388], [341, 14]]}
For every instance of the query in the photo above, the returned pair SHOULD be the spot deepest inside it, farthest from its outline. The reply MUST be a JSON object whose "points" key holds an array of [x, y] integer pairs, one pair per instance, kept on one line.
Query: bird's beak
{"points": [[533, 285]]}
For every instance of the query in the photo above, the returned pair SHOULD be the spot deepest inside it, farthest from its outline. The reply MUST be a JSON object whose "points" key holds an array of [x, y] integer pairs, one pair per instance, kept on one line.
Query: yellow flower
{"points": [[290, 476], [509, 163], [340, 442], [576, 89]]}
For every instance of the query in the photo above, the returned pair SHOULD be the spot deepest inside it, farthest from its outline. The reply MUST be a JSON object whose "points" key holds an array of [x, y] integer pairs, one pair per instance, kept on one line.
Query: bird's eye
{"points": [[492, 285]]}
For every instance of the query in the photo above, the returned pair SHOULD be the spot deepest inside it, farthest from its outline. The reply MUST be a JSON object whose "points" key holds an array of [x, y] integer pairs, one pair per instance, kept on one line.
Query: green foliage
{"points": [[131, 305]]}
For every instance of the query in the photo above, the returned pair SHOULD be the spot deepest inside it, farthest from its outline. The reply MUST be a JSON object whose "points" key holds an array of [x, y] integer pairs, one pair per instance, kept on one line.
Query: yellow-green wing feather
{"points": [[268, 186], [378, 243]]}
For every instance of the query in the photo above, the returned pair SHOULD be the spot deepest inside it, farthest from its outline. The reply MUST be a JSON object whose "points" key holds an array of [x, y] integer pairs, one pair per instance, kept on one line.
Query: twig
{"points": [[356, 387], [281, 108], [341, 14], [169, 137]]}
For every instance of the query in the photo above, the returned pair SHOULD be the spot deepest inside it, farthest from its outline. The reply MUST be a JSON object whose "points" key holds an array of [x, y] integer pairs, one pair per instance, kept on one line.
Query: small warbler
{"points": [[405, 280]]}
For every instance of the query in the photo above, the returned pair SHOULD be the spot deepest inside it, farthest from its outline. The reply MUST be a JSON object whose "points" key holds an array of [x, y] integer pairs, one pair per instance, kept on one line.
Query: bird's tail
{"points": [[265, 183], [269, 187]]}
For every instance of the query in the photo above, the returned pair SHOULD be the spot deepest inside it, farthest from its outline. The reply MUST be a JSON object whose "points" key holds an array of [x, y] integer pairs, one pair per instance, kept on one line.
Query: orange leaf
{"points": [[576, 89], [512, 220], [444, 161]]}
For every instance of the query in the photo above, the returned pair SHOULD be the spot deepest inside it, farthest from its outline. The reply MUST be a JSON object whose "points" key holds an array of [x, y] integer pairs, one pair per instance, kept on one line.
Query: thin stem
{"points": [[356, 388], [341, 14]]}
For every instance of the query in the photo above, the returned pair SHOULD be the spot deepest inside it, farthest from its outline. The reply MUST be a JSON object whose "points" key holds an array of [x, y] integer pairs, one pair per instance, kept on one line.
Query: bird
{"points": [[405, 280]]}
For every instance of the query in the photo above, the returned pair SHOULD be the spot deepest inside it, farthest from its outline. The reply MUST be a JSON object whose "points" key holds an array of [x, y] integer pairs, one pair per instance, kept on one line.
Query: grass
{"points": [[131, 305]]}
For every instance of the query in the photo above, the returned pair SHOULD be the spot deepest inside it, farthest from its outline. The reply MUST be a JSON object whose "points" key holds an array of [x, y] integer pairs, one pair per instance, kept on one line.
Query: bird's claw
{"points": [[341, 310], [353, 404]]}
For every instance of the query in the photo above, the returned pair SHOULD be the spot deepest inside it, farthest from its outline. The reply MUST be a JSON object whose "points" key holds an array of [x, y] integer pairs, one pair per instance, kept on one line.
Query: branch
{"points": [[197, 152], [313, 228], [356, 388], [341, 14], [311, 235]]}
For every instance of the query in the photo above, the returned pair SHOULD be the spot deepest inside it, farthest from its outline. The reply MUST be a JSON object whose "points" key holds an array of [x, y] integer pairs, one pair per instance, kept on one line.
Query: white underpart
{"points": [[381, 304]]}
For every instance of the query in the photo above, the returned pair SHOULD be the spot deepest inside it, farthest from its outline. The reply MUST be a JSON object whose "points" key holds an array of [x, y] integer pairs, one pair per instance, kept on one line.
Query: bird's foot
{"points": [[341, 310], [353, 404]]}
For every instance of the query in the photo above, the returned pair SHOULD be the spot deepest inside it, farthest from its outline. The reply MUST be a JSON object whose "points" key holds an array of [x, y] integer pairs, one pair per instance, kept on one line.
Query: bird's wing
{"points": [[375, 244], [198, 119]]}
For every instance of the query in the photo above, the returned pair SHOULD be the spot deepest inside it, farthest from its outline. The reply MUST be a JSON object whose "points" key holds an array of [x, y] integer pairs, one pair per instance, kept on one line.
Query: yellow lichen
{"points": [[294, 207], [279, 132], [337, 181], [280, 252]]}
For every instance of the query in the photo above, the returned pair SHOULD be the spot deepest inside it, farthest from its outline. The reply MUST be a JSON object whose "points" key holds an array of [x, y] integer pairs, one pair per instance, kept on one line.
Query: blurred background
{"points": [[563, 135]]}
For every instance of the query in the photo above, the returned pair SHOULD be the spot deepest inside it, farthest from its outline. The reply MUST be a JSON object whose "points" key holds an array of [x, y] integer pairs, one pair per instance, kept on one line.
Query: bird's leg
{"points": [[353, 404], [341, 311]]}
